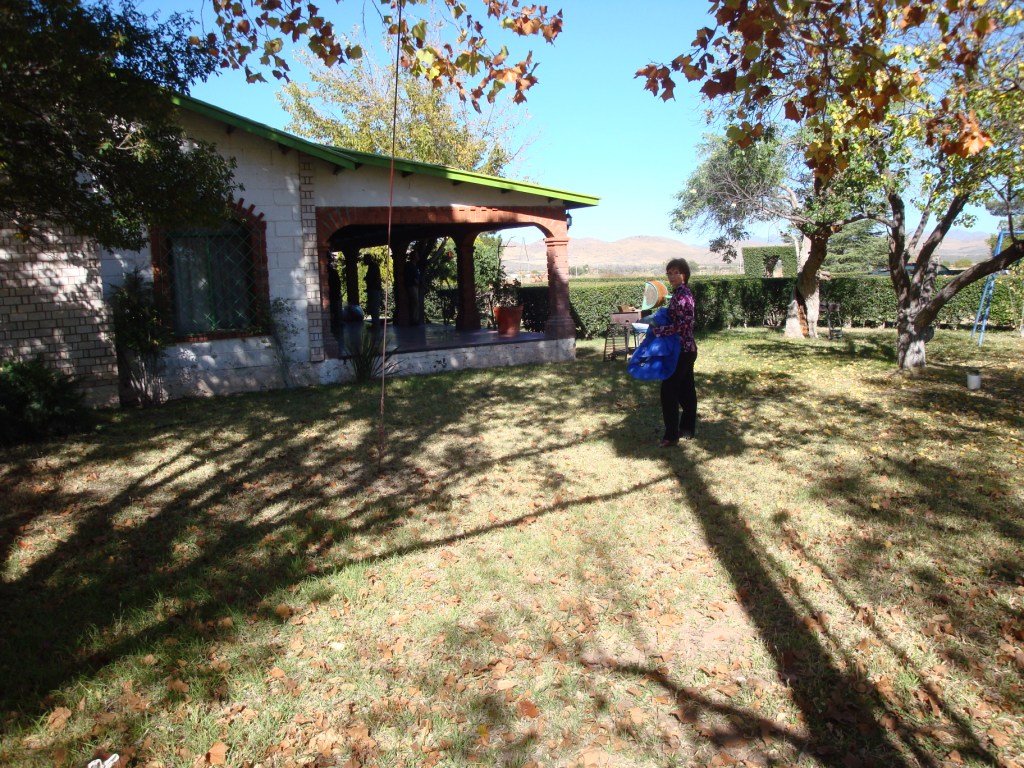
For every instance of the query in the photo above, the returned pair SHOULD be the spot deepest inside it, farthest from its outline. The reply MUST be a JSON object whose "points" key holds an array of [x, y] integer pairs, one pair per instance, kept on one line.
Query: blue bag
{"points": [[660, 317], [655, 357]]}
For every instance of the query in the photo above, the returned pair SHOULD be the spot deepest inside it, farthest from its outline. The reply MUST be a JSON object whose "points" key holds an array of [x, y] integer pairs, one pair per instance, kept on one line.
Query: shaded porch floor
{"points": [[422, 338]]}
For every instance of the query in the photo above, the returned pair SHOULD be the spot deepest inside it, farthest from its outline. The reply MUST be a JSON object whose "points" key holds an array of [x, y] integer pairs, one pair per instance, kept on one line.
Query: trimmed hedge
{"points": [[729, 302], [756, 257], [733, 301], [871, 301]]}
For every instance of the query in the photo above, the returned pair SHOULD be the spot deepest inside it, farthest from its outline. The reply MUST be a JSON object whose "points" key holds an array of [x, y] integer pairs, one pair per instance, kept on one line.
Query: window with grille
{"points": [[213, 279]]}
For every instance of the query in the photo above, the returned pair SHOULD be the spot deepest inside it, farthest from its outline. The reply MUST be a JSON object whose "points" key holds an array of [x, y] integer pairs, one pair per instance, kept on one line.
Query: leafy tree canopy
{"points": [[838, 66], [765, 182], [1006, 202], [87, 137], [730, 189], [472, 64], [858, 247], [353, 108], [894, 96]]}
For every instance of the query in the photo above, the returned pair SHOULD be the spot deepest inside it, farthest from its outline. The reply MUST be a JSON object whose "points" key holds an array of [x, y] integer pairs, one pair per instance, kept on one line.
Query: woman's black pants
{"points": [[679, 393]]}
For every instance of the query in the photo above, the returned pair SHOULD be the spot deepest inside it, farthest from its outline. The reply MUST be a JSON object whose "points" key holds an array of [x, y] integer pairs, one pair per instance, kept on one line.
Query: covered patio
{"points": [[343, 232]]}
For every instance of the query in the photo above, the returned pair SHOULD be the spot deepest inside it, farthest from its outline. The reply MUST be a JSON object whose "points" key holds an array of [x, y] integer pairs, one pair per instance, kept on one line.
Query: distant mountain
{"points": [[961, 244], [641, 253], [647, 254]]}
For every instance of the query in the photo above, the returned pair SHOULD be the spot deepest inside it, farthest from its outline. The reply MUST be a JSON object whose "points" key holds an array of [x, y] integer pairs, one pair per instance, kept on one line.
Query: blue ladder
{"points": [[983, 308], [986, 295]]}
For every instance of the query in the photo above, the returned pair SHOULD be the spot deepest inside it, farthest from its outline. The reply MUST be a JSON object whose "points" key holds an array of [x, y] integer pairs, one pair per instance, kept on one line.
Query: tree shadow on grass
{"points": [[247, 497], [842, 711], [245, 508], [234, 513], [867, 347]]}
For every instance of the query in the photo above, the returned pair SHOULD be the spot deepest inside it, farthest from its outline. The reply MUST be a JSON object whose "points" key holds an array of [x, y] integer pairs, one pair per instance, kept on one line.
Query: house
{"points": [[302, 206]]}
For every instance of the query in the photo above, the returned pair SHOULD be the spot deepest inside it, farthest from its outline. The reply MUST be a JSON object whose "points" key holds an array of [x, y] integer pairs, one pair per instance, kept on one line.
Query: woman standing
{"points": [[678, 391]]}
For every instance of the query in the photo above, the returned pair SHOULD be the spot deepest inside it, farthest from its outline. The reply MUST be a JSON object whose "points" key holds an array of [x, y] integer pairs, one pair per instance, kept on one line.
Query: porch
{"points": [[433, 348]]}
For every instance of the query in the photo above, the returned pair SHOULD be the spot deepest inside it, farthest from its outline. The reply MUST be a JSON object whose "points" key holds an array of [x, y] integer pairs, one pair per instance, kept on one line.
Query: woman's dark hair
{"points": [[682, 267]]}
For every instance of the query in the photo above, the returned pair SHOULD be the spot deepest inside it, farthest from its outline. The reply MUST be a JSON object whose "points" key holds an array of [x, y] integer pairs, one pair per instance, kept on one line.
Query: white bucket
{"points": [[974, 381]]}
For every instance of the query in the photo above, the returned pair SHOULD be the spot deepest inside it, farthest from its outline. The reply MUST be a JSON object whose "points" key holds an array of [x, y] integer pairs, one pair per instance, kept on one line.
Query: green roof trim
{"points": [[351, 159]]}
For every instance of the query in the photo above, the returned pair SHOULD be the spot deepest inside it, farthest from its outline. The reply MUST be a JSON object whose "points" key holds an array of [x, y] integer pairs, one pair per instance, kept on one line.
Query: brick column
{"points": [[560, 324], [316, 316], [350, 255], [467, 319], [399, 296]]}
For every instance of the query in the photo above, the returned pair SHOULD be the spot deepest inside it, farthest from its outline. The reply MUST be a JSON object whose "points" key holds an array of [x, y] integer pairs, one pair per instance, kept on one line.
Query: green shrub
{"points": [[760, 260], [139, 334], [870, 301], [37, 402], [730, 301], [368, 359]]}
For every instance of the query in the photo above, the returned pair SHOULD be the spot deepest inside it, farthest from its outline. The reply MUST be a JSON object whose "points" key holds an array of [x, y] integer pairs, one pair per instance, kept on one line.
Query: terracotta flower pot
{"points": [[509, 320]]}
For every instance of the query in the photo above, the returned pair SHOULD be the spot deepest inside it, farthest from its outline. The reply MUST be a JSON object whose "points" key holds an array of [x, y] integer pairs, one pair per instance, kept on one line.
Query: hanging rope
{"points": [[381, 435]]}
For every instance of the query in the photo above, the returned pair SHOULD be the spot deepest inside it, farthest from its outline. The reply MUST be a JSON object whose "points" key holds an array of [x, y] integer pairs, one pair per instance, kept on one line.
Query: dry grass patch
{"points": [[830, 575]]}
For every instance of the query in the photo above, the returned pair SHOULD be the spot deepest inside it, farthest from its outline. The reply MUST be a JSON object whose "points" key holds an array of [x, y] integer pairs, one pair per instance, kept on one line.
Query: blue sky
{"points": [[597, 131]]}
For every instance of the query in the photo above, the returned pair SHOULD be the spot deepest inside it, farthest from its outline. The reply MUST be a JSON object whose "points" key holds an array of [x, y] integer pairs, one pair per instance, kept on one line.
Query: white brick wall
{"points": [[51, 304]]}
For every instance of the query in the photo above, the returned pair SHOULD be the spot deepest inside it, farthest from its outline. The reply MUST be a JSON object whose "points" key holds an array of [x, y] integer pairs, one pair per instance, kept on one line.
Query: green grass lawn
{"points": [[829, 575]]}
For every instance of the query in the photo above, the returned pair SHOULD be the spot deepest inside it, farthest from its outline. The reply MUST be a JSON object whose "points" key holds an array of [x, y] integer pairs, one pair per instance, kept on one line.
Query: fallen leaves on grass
{"points": [[58, 718], [217, 754]]}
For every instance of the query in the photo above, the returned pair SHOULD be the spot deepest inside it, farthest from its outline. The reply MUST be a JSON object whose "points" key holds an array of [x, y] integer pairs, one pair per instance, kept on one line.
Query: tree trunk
{"points": [[910, 350], [803, 311], [796, 317]]}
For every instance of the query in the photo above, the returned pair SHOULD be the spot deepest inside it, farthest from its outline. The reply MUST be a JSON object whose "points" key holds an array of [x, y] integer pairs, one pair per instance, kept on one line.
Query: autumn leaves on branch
{"points": [[841, 66], [259, 29]]}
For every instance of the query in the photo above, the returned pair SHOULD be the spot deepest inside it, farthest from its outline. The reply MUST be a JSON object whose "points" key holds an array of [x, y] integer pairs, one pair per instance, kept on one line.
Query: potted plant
{"points": [[508, 310]]}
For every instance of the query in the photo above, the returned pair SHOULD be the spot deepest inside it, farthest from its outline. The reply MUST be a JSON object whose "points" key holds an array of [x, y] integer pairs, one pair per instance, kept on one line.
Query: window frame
{"points": [[163, 280]]}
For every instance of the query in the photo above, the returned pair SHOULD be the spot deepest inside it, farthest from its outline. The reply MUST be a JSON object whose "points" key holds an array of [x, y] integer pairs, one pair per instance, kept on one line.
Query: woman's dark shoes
{"points": [[687, 434], [666, 443]]}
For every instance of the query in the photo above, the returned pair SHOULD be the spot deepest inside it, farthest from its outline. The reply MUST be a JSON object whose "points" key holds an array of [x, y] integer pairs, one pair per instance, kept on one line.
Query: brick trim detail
{"points": [[163, 285], [314, 273]]}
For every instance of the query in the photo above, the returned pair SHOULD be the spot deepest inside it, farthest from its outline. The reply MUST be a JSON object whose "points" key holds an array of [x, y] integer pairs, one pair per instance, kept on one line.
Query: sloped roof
{"points": [[351, 159]]}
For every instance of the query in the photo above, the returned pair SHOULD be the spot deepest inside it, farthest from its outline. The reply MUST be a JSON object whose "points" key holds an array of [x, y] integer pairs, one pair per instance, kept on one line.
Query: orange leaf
{"points": [[999, 738], [527, 708], [58, 718], [217, 754], [178, 685]]}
